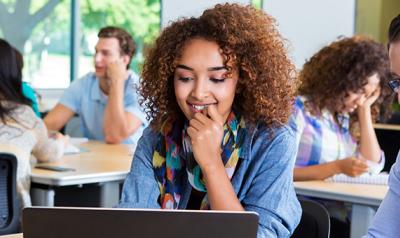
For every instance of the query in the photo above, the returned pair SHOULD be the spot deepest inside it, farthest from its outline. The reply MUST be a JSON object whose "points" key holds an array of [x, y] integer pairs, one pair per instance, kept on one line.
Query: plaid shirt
{"points": [[321, 139]]}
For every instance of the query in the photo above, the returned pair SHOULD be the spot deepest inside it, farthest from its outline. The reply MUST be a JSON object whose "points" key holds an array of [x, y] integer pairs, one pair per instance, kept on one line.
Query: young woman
{"points": [[21, 131], [334, 115], [340, 87], [219, 89]]}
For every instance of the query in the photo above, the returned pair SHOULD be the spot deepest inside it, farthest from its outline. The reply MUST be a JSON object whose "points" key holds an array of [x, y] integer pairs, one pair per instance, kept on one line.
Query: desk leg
{"points": [[109, 195], [361, 218], [42, 197]]}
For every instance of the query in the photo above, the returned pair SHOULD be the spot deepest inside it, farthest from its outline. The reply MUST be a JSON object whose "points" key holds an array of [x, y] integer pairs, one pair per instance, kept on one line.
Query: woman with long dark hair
{"points": [[21, 131]]}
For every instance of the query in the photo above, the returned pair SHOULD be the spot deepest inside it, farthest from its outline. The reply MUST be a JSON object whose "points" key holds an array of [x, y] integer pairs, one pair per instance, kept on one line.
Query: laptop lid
{"points": [[40, 222]]}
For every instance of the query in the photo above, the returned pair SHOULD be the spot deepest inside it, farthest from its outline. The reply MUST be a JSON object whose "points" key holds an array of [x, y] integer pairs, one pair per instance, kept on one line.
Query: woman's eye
{"points": [[184, 79], [217, 80]]}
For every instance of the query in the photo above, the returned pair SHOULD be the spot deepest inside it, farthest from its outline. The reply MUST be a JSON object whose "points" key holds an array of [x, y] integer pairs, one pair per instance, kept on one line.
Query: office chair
{"points": [[9, 206], [314, 223], [389, 143]]}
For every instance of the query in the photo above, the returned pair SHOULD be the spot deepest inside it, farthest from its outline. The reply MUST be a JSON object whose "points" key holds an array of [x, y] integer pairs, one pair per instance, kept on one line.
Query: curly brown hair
{"points": [[343, 67], [249, 40]]}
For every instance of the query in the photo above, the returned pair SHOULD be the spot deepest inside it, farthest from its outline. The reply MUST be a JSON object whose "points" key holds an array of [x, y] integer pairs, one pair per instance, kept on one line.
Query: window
{"points": [[257, 4], [40, 30], [140, 18]]}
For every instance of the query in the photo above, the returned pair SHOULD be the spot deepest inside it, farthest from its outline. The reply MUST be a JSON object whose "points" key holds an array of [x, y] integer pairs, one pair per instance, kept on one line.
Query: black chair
{"points": [[314, 223], [9, 206]]}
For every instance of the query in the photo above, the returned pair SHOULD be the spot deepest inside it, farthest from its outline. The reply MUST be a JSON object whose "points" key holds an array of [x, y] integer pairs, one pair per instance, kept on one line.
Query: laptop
{"points": [[61, 222]]}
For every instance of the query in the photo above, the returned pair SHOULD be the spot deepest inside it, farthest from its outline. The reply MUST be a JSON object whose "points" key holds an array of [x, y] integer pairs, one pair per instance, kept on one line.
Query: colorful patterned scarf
{"points": [[173, 157]]}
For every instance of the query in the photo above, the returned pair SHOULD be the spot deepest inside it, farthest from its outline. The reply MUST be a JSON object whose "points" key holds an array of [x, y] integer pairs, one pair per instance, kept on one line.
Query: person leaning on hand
{"points": [[106, 100], [342, 87]]}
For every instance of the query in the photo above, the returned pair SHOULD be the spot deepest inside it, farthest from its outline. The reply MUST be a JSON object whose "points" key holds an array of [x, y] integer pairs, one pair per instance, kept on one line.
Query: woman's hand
{"points": [[371, 99], [59, 136], [206, 136], [352, 166]]}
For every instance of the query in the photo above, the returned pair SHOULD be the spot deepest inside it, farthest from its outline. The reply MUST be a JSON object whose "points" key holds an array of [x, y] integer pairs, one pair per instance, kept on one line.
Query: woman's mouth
{"points": [[198, 108]]}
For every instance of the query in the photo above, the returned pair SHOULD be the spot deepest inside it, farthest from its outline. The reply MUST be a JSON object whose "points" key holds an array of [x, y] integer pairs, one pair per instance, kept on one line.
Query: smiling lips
{"points": [[199, 108]]}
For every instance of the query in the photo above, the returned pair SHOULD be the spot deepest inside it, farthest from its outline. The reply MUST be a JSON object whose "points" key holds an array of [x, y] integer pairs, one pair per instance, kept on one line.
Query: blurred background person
{"points": [[340, 95], [105, 100], [21, 131]]}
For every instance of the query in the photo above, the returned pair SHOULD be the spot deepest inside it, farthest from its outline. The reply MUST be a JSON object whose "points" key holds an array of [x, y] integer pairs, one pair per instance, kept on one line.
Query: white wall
{"points": [[173, 9], [311, 24]]}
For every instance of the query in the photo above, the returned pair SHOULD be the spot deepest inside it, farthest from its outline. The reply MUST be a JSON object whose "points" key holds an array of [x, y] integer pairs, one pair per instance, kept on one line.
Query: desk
{"points": [[102, 163], [19, 235], [364, 200], [392, 127]]}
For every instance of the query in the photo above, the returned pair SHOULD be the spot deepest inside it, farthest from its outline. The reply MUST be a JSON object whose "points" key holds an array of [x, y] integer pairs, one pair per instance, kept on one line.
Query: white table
{"points": [[392, 127], [102, 163], [19, 235], [364, 198]]}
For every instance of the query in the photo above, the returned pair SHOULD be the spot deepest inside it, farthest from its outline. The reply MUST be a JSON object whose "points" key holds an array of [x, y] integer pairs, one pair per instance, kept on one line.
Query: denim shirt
{"points": [[386, 222], [263, 180]]}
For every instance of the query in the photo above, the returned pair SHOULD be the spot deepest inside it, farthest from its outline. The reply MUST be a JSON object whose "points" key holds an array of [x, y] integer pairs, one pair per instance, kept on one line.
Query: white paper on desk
{"points": [[78, 140], [73, 148], [377, 179]]}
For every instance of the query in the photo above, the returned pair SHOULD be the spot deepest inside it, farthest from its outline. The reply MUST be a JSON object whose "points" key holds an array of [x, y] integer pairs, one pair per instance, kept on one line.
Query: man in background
{"points": [[105, 100]]}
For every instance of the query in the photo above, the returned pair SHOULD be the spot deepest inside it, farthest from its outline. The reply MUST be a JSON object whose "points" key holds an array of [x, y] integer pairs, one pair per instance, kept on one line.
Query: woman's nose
{"points": [[200, 90]]}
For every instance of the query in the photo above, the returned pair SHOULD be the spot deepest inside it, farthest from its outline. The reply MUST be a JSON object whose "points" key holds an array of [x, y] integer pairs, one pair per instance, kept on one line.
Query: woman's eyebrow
{"points": [[216, 68], [184, 67]]}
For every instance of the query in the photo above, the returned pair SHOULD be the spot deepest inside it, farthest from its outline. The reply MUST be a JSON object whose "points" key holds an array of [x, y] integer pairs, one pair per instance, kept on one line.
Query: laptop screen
{"points": [[117, 223]]}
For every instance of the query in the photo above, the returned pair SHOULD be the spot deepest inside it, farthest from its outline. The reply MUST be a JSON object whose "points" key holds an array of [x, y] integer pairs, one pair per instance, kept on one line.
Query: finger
{"points": [[377, 92], [360, 164], [192, 133], [214, 114], [352, 174], [196, 124], [201, 118], [360, 169], [204, 112]]}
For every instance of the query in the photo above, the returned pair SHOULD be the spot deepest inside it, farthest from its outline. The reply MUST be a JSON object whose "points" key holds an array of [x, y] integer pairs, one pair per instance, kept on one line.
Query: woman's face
{"points": [[394, 56], [356, 99], [200, 79]]}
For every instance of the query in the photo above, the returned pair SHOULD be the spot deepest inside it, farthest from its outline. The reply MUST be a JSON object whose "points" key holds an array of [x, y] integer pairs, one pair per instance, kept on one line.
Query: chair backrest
{"points": [[9, 206], [314, 223], [389, 143]]}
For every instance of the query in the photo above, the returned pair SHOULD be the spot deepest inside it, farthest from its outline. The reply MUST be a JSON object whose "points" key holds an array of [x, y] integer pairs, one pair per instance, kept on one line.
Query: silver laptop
{"points": [[41, 222]]}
